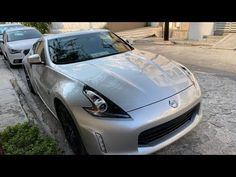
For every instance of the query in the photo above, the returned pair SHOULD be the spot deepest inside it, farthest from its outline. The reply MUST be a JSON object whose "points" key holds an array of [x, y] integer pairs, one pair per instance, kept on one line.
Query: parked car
{"points": [[17, 43], [4, 27], [110, 97]]}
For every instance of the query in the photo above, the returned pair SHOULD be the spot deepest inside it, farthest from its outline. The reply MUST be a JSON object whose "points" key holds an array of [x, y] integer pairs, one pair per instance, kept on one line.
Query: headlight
{"points": [[102, 106], [190, 75], [13, 51], [187, 71]]}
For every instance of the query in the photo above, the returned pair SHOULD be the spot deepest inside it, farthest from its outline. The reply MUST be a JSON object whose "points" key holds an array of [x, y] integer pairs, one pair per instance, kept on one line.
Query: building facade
{"points": [[197, 30]]}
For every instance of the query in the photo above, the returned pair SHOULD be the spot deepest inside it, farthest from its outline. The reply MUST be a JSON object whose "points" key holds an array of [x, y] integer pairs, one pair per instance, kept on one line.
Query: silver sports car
{"points": [[110, 97]]}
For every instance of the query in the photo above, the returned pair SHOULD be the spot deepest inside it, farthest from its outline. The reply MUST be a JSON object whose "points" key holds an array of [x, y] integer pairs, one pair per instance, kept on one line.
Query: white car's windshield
{"points": [[3, 28], [85, 47], [23, 35]]}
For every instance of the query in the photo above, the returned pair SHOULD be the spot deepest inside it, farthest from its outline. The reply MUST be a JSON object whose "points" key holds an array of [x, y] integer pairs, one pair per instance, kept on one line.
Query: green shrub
{"points": [[43, 27], [25, 139]]}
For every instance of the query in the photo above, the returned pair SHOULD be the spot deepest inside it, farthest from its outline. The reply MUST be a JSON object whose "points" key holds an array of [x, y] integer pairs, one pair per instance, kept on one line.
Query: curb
{"points": [[191, 44], [25, 107]]}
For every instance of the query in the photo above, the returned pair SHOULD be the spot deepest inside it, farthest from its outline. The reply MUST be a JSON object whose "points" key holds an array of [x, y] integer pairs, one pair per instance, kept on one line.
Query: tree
{"points": [[43, 27]]}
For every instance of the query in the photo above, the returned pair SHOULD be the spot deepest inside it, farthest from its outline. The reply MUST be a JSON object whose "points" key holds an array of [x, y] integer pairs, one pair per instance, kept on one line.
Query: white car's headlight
{"points": [[13, 51], [102, 106]]}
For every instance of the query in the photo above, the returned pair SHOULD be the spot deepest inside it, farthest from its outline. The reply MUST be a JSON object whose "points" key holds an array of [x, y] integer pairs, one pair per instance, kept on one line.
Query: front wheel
{"points": [[4, 57], [7, 59], [71, 131], [11, 65]]}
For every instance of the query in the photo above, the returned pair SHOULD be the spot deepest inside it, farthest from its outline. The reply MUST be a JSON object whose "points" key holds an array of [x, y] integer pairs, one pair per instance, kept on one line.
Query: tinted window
{"points": [[3, 28], [85, 47], [23, 34], [40, 50], [42, 55], [34, 47]]}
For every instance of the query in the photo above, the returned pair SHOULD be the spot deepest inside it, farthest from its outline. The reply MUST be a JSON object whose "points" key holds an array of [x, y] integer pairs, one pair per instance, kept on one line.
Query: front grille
{"points": [[159, 131], [17, 61], [26, 51]]}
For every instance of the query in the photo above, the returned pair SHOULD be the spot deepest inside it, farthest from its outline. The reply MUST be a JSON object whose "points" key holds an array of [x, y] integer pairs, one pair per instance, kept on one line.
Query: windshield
{"points": [[3, 28], [23, 35], [85, 47]]}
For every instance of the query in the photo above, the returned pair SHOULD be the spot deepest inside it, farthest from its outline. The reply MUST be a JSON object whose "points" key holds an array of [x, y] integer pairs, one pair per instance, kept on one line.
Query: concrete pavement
{"points": [[11, 111], [216, 133], [222, 60], [140, 33]]}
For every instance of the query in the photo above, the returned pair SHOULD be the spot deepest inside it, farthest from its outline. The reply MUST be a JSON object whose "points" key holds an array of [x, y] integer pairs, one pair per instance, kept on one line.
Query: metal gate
{"points": [[225, 27]]}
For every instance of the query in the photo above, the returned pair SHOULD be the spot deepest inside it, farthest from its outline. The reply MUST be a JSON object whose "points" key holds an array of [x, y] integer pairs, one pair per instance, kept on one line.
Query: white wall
{"points": [[198, 29], [59, 27], [154, 23]]}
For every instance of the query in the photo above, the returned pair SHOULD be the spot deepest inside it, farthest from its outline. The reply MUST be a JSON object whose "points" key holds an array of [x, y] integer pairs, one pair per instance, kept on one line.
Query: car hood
{"points": [[132, 79], [22, 44]]}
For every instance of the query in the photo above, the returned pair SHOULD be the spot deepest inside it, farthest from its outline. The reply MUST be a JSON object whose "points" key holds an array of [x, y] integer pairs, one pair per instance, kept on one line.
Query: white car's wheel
{"points": [[6, 58]]}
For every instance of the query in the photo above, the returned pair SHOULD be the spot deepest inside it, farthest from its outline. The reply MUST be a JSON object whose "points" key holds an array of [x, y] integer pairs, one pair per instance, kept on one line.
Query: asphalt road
{"points": [[216, 134]]}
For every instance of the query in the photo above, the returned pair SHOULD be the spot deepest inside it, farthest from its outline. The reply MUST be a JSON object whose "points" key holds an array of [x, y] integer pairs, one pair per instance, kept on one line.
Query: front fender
{"points": [[71, 95]]}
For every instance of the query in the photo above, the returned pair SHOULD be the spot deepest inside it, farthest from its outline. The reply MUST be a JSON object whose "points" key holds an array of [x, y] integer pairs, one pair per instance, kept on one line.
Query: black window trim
{"points": [[39, 42], [129, 46]]}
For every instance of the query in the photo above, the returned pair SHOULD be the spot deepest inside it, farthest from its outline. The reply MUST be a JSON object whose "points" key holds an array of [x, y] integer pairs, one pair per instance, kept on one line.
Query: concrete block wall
{"points": [[199, 29]]}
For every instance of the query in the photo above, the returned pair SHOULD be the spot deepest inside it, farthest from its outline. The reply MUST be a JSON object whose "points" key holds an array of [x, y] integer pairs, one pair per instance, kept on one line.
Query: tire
{"points": [[29, 82], [11, 65], [70, 130], [4, 57], [7, 59]]}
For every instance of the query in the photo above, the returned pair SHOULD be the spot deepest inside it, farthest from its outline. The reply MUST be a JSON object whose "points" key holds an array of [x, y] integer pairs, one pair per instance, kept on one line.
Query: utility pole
{"points": [[166, 31]]}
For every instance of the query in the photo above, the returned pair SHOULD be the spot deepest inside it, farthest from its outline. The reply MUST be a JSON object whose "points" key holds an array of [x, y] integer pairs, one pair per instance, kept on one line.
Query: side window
{"points": [[42, 55], [34, 47], [40, 50], [37, 44]]}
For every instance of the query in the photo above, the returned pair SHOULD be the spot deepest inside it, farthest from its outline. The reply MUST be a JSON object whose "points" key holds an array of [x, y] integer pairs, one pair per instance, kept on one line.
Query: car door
{"points": [[41, 75]]}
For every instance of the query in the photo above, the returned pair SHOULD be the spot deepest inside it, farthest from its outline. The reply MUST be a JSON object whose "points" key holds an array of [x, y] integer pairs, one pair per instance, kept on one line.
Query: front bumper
{"points": [[120, 136], [16, 59]]}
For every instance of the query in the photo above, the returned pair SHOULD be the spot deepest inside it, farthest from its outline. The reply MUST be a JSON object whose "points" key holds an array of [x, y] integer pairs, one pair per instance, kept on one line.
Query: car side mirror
{"points": [[129, 41], [35, 59]]}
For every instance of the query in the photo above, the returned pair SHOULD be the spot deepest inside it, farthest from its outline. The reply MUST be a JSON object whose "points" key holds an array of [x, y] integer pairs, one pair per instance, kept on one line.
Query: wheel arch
{"points": [[59, 100]]}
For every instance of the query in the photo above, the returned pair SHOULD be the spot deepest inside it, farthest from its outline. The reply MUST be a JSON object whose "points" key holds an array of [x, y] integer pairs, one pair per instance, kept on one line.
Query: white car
{"points": [[4, 27], [17, 43]]}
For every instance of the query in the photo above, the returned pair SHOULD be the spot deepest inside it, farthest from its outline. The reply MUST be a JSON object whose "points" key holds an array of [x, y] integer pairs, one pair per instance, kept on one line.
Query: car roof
{"points": [[10, 24], [17, 29], [74, 33]]}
